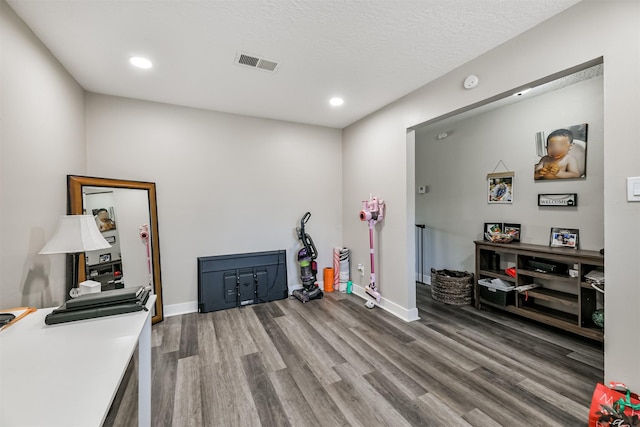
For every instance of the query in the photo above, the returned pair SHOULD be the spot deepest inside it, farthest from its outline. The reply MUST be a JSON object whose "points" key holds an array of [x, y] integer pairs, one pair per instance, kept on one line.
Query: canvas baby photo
{"points": [[562, 152]]}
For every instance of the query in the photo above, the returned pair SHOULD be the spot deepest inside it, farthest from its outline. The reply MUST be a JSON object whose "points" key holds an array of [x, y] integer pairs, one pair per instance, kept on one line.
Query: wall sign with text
{"points": [[561, 200]]}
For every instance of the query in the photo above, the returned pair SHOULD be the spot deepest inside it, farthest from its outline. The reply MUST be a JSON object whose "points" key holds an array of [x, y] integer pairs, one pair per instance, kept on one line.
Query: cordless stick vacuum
{"points": [[144, 237], [372, 212], [308, 266]]}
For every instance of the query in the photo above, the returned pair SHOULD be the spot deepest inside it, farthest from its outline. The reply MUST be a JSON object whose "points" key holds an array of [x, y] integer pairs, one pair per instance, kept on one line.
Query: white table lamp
{"points": [[75, 234]]}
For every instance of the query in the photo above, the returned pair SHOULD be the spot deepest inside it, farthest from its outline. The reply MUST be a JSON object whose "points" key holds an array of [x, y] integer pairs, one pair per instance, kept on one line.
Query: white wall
{"points": [[377, 155], [42, 139], [455, 169], [375, 161], [225, 183], [132, 211]]}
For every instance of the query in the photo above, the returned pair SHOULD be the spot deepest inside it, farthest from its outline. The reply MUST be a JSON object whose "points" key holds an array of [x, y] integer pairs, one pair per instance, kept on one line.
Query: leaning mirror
{"points": [[127, 216]]}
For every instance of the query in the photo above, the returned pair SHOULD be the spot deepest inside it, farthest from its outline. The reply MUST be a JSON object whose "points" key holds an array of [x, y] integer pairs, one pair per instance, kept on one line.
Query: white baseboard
{"points": [[385, 304], [389, 306], [182, 308], [425, 279]]}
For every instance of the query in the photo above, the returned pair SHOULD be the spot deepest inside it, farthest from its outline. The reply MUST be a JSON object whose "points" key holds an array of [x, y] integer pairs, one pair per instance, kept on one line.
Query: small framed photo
{"points": [[104, 258], [491, 227], [512, 230], [110, 239], [564, 237]]}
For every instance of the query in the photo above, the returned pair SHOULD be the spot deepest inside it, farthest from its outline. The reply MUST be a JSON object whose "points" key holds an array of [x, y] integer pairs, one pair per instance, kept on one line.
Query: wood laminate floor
{"points": [[333, 362]]}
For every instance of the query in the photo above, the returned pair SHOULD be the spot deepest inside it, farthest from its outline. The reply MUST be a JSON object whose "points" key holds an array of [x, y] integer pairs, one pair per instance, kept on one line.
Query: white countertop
{"points": [[65, 374]]}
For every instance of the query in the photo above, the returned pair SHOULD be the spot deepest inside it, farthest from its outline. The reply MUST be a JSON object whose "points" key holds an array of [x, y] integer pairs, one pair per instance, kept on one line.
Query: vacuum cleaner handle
{"points": [[305, 219], [300, 230]]}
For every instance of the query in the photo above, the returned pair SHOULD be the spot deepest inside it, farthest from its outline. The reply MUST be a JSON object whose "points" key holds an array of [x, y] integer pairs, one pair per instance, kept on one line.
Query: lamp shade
{"points": [[75, 233]]}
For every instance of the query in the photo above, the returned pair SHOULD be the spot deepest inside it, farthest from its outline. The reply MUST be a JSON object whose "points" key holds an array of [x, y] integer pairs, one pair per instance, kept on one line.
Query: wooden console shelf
{"points": [[560, 300]]}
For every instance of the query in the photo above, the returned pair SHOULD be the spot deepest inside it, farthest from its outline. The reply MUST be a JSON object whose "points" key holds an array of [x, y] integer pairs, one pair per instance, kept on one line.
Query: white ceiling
{"points": [[368, 52]]}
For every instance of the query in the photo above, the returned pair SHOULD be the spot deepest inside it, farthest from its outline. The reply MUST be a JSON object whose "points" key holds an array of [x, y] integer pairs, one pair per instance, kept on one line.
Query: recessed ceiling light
{"points": [[522, 93], [336, 101], [140, 62]]}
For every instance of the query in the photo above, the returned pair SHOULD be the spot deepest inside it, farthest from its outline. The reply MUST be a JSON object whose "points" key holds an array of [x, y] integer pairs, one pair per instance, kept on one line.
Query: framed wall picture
{"points": [[500, 189], [562, 153], [564, 238], [104, 257], [513, 230], [110, 239], [105, 218]]}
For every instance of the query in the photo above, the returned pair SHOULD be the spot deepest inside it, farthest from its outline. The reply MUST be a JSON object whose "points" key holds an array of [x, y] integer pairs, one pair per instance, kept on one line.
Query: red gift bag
{"points": [[614, 406]]}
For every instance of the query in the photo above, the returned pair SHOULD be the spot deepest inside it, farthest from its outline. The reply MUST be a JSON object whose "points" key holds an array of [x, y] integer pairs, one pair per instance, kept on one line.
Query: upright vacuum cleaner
{"points": [[372, 212], [308, 266]]}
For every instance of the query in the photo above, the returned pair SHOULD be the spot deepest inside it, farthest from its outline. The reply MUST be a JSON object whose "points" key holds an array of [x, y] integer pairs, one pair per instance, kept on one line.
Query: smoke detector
{"points": [[471, 81], [253, 61]]}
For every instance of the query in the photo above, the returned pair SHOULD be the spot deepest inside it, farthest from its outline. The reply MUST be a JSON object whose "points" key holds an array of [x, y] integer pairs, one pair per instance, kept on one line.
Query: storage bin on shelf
{"points": [[452, 287], [497, 291]]}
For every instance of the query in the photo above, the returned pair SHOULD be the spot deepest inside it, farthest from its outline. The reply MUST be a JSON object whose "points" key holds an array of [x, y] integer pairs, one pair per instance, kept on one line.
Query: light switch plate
{"points": [[633, 189]]}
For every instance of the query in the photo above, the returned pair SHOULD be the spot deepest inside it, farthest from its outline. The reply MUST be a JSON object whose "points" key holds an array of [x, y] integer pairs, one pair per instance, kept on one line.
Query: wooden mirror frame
{"points": [[75, 207]]}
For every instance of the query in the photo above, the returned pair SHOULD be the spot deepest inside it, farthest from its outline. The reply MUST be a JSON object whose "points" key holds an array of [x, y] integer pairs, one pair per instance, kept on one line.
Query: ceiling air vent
{"points": [[255, 62]]}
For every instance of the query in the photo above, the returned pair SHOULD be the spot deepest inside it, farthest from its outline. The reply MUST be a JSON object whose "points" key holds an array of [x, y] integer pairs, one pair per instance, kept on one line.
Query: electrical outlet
{"points": [[361, 269]]}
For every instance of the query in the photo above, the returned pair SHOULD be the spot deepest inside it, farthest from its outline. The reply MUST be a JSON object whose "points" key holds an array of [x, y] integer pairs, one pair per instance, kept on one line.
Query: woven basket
{"points": [[452, 287]]}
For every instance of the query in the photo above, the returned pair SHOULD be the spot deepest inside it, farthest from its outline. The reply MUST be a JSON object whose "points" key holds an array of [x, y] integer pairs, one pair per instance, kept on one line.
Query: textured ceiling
{"points": [[369, 52]]}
